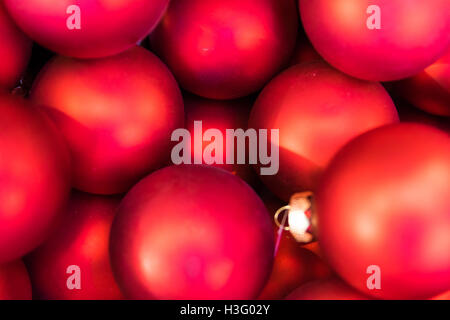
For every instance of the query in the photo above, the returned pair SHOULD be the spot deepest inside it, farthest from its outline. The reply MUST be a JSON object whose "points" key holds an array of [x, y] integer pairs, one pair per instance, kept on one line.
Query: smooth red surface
{"points": [[107, 26], [80, 238], [385, 201], [220, 115], [430, 89], [317, 109], [192, 232], [14, 281], [413, 35], [15, 50], [226, 49], [34, 177], [326, 289], [117, 115]]}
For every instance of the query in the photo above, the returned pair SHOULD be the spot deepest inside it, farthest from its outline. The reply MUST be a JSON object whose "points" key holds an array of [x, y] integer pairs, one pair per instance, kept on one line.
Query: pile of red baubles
{"points": [[92, 207]]}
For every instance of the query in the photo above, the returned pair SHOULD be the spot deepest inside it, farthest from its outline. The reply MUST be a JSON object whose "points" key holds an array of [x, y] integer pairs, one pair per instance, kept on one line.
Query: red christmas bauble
{"points": [[77, 253], [384, 201], [15, 50], [34, 177], [218, 115], [85, 28], [430, 89], [317, 110], [378, 40], [192, 232], [226, 49], [14, 281], [117, 115], [326, 289]]}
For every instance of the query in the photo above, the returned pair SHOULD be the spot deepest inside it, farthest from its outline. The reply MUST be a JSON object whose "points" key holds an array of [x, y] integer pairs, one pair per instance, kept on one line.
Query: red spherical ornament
{"points": [[34, 177], [326, 289], [77, 253], [14, 281], [15, 50], [317, 110], [192, 232], [85, 28], [226, 49], [384, 201], [117, 115], [430, 89], [378, 40], [218, 115]]}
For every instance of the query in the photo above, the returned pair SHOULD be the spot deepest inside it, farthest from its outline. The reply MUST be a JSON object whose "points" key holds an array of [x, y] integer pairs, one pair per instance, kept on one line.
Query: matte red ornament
{"points": [[14, 281], [384, 201], [117, 115], [317, 109], [430, 89], [81, 240], [85, 28], [226, 49], [326, 289], [15, 50], [380, 40], [219, 115], [192, 232], [34, 177]]}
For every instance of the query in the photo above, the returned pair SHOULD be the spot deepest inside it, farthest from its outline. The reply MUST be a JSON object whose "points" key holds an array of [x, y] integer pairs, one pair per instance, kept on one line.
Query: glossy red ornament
{"points": [[430, 89], [226, 49], [326, 289], [219, 115], [81, 239], [385, 201], [106, 27], [14, 281], [117, 115], [192, 232], [411, 35], [15, 50], [317, 109], [34, 177]]}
